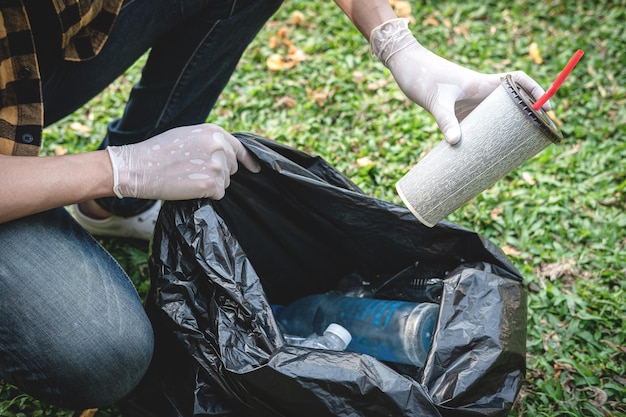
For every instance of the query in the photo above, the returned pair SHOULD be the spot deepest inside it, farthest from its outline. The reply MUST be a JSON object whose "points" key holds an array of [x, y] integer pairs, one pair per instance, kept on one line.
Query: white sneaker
{"points": [[140, 226]]}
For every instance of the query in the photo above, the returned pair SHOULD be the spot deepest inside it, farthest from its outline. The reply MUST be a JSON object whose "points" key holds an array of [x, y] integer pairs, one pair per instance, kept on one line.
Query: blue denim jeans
{"points": [[73, 331], [194, 48], [72, 328]]}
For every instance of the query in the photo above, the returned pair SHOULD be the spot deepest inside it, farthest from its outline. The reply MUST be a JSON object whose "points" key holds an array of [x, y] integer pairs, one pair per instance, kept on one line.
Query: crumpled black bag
{"points": [[298, 228]]}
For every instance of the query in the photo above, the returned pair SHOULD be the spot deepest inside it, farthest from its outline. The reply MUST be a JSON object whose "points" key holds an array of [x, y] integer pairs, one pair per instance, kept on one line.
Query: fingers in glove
{"points": [[179, 164], [217, 159], [442, 107], [530, 85], [242, 155]]}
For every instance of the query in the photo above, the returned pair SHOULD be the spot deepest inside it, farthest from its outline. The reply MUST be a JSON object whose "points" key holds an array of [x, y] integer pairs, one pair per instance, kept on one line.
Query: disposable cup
{"points": [[500, 134]]}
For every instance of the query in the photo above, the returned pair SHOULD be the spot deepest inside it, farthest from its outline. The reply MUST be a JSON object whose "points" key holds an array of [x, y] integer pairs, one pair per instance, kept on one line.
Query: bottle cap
{"points": [[340, 332]]}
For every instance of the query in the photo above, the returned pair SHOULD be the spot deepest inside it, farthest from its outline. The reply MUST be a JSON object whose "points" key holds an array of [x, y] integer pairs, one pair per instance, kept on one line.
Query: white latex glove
{"points": [[179, 164], [446, 90]]}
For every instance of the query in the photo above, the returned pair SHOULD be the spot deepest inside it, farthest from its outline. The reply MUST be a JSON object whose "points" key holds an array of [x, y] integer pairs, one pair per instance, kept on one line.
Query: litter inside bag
{"points": [[298, 228]]}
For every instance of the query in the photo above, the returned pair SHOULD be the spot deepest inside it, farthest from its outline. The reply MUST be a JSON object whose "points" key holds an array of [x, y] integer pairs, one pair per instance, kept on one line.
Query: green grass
{"points": [[560, 216]]}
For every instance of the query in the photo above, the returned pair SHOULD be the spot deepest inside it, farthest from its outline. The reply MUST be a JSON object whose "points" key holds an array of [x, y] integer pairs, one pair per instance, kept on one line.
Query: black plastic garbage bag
{"points": [[298, 228]]}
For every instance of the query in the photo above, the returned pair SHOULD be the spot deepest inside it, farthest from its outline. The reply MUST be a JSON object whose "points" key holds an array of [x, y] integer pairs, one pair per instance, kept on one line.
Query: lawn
{"points": [[560, 217]]}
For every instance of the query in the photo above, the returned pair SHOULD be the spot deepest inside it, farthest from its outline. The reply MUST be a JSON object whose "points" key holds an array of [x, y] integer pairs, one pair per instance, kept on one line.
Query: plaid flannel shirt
{"points": [[85, 25]]}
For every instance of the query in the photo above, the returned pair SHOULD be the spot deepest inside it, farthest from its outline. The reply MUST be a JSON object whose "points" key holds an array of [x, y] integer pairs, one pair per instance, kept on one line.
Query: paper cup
{"points": [[498, 136]]}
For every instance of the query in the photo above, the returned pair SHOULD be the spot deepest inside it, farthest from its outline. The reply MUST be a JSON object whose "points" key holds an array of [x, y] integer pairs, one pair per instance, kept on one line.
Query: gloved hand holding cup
{"points": [[492, 123], [446, 90]]}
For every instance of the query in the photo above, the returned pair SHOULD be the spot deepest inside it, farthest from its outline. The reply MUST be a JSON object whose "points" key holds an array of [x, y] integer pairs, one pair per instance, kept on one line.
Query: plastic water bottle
{"points": [[389, 330], [335, 337]]}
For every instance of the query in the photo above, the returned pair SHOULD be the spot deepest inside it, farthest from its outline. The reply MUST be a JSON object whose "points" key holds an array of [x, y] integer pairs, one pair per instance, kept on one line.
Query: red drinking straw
{"points": [[559, 80]]}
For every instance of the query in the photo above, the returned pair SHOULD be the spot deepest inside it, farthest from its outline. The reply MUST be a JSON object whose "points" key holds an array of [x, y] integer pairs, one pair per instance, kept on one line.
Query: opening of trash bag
{"points": [[299, 228]]}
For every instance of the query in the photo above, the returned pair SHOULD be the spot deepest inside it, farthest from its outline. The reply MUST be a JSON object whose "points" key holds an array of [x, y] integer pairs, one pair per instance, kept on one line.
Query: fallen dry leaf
{"points": [[599, 396], [320, 96], [80, 128], [364, 162], [60, 150], [275, 62], [402, 8], [462, 30], [511, 251], [616, 347], [563, 271], [592, 71], [495, 213], [297, 18], [286, 101], [279, 62], [535, 53], [282, 33], [358, 76], [430, 21], [620, 379], [528, 179], [89, 413], [273, 42], [550, 339], [376, 85], [296, 54]]}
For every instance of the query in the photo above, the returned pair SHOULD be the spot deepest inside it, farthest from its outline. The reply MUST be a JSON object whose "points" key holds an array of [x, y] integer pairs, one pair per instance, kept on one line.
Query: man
{"points": [[73, 331]]}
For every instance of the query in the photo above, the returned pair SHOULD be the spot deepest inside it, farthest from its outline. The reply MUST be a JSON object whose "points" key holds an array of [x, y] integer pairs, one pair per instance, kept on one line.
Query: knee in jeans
{"points": [[101, 370]]}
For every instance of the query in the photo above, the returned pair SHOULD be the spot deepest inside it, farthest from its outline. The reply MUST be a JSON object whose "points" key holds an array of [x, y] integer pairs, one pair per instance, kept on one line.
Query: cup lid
{"points": [[525, 101]]}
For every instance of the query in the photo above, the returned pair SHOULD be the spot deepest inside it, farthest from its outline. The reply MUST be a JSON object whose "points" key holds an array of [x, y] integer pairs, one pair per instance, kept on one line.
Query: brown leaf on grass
{"points": [[275, 62], [616, 347], [495, 213], [462, 30], [376, 85], [562, 366], [282, 34], [358, 76], [563, 271], [592, 71], [60, 150], [549, 339], [430, 21], [364, 162], [286, 101], [80, 128], [620, 379], [535, 53], [511, 251], [599, 397], [273, 42], [528, 178], [402, 9], [297, 18], [294, 55], [320, 95], [89, 413]]}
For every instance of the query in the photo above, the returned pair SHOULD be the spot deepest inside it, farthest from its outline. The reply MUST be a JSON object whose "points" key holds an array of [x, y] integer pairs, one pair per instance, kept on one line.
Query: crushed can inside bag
{"points": [[300, 228]]}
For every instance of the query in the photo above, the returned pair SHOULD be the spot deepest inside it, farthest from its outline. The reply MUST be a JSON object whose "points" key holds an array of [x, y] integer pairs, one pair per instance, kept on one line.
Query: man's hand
{"points": [[447, 90], [179, 164]]}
